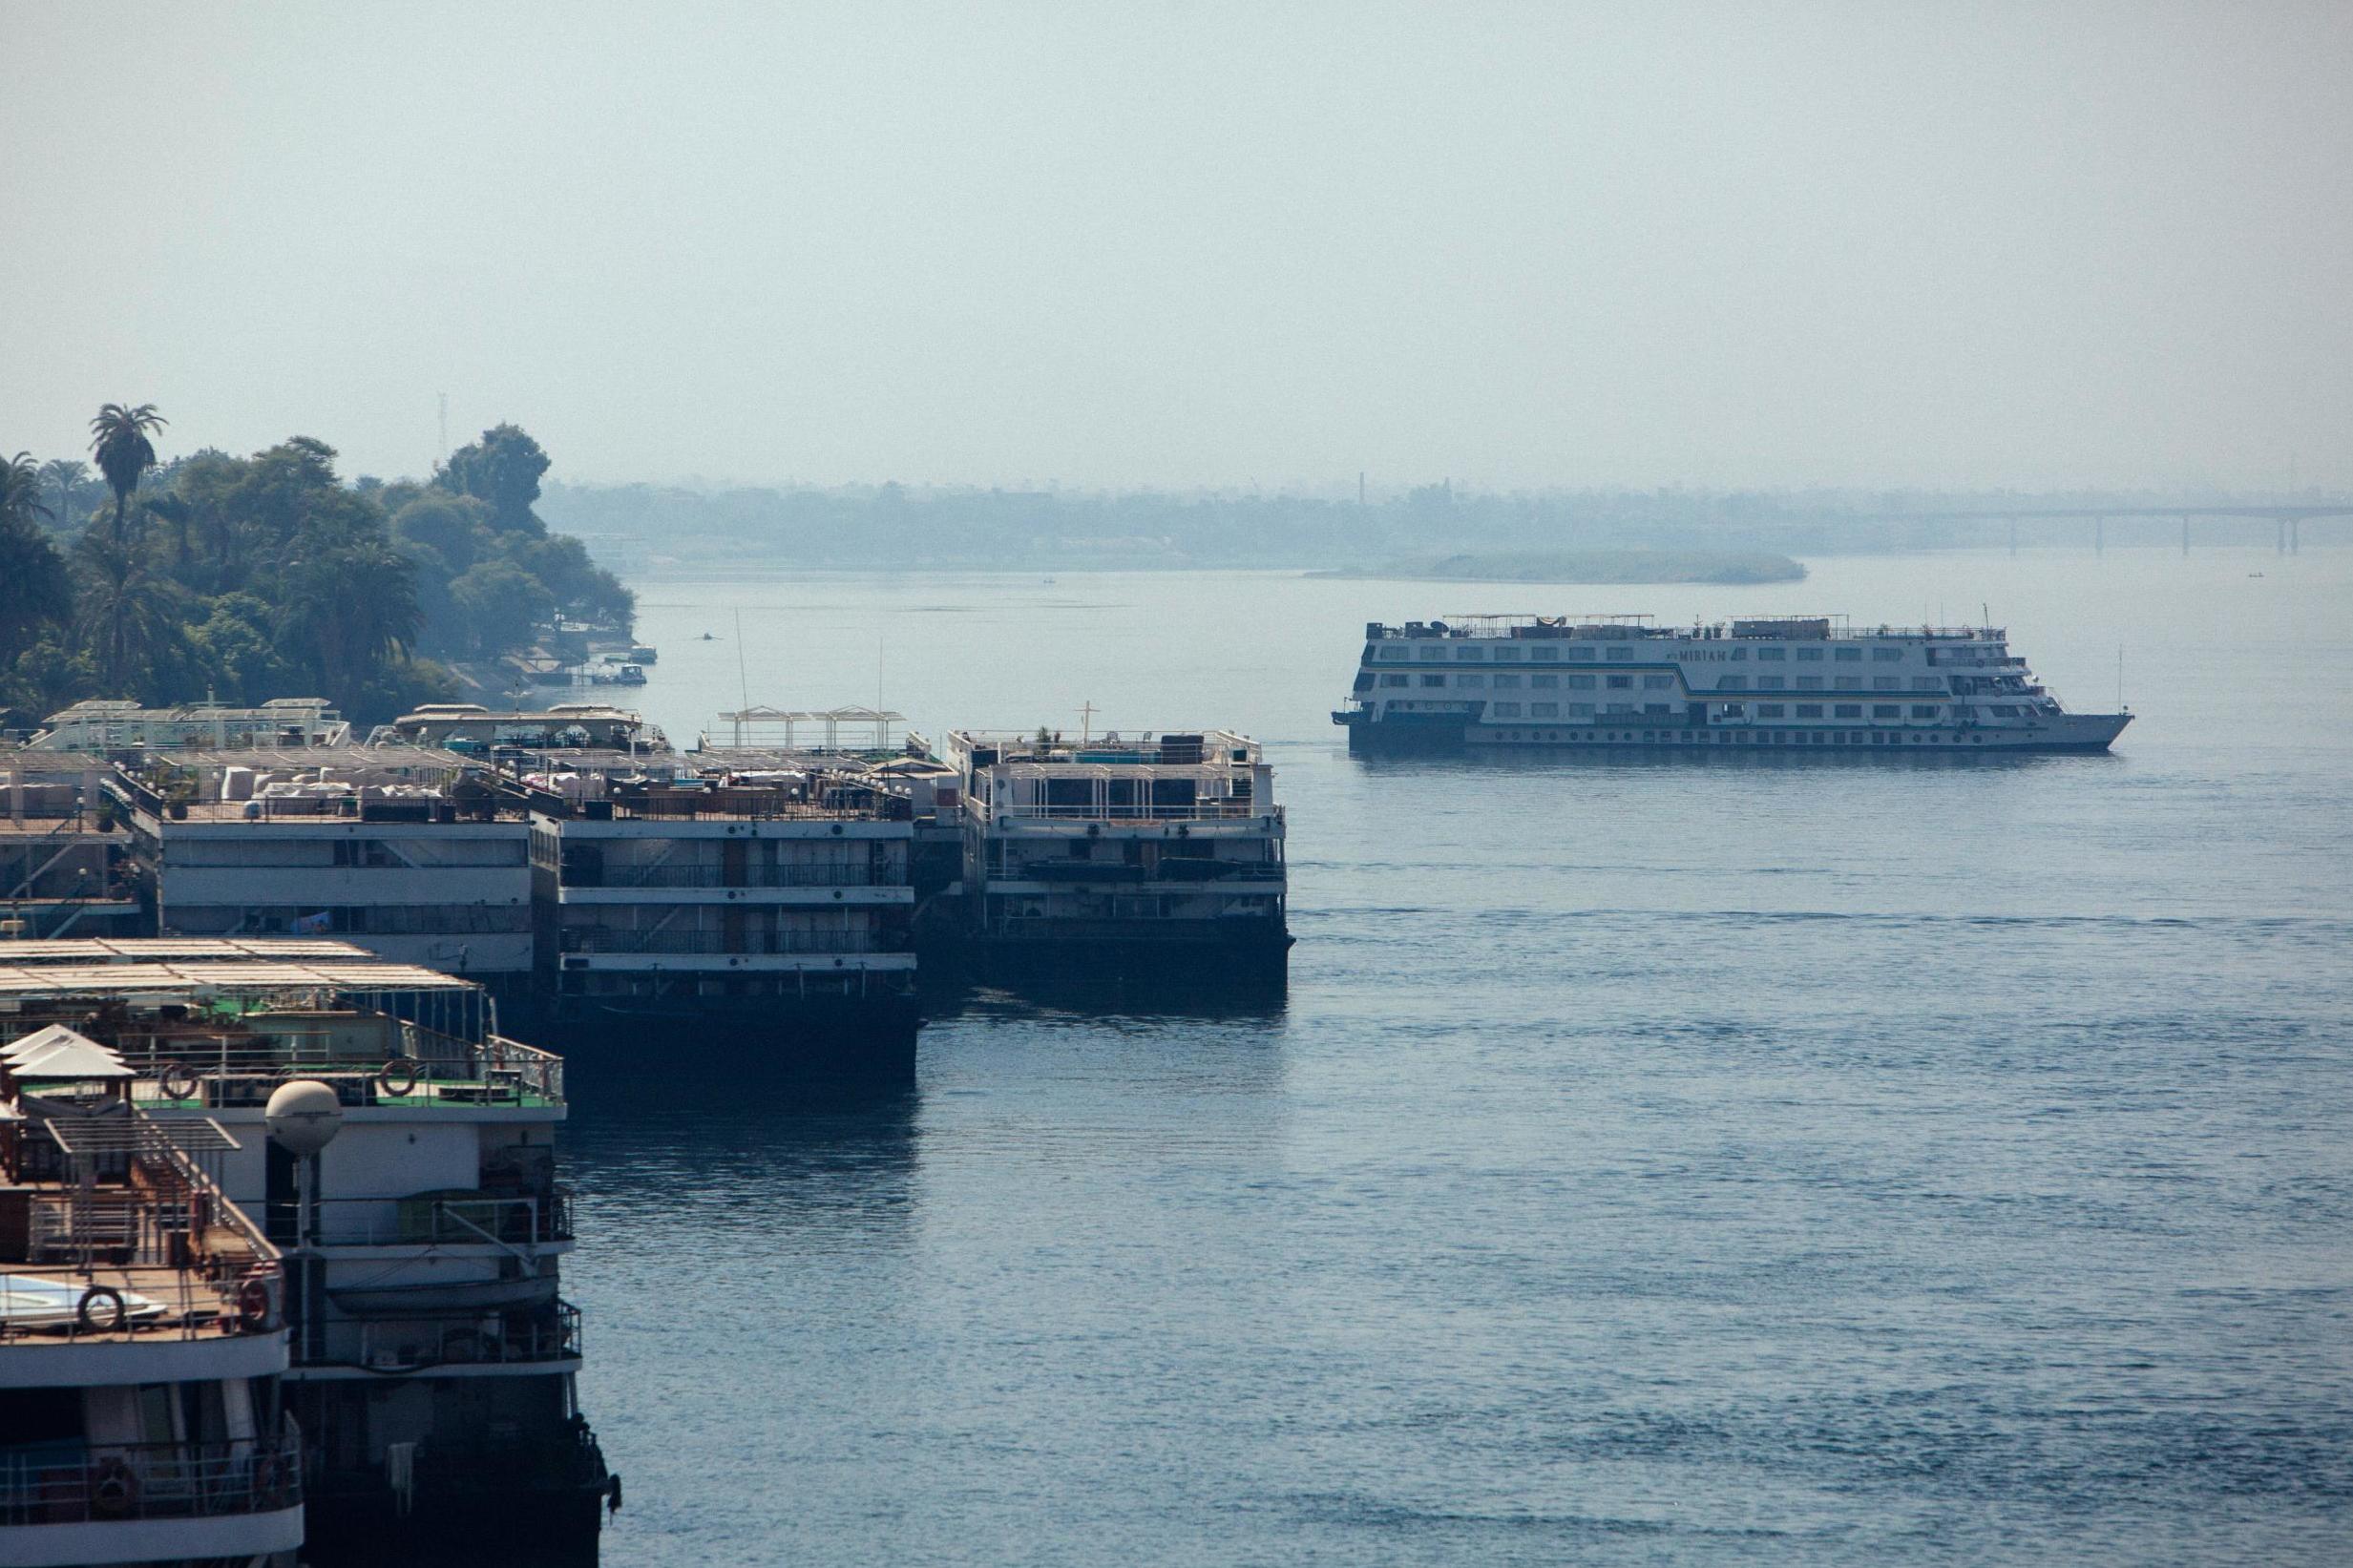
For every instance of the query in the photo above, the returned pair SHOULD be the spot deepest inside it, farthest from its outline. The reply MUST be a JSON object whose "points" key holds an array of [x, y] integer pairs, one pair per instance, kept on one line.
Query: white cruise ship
{"points": [[143, 1345], [1480, 684]]}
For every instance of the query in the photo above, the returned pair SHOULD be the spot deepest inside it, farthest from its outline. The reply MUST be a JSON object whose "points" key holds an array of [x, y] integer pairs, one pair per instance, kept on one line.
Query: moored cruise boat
{"points": [[1156, 857], [431, 1373], [143, 1347], [1481, 684]]}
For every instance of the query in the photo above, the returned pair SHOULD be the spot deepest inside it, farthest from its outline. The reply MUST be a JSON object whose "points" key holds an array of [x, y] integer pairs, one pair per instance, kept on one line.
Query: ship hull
{"points": [[865, 1039], [2075, 733]]}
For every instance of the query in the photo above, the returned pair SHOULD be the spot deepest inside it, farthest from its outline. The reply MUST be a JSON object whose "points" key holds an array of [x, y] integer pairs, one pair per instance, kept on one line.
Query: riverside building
{"points": [[432, 1366], [1485, 683], [1150, 855]]}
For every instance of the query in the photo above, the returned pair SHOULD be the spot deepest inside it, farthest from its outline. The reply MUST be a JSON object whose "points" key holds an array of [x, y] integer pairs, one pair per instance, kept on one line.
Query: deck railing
{"points": [[442, 1339], [720, 876], [600, 939], [467, 1219], [83, 1483], [244, 1069]]}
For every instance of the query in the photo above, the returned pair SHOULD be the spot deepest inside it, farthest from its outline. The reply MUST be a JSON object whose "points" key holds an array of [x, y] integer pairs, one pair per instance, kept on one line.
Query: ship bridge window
{"points": [[1393, 651], [1809, 656], [1774, 652], [2006, 710], [1848, 656]]}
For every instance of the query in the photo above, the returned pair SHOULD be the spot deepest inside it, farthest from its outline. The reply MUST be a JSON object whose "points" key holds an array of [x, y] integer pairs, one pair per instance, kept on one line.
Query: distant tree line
{"points": [[268, 575]]}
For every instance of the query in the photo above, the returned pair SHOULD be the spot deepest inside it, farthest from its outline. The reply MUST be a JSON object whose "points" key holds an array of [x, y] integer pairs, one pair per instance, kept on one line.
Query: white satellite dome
{"points": [[303, 1116]]}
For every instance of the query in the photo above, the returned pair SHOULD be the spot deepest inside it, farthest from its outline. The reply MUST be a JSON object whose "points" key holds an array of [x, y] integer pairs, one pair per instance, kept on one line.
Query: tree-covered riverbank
{"points": [[270, 575]]}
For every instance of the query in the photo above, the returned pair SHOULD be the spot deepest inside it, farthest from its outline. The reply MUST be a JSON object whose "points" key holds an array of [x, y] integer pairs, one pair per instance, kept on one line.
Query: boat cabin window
{"points": [[1849, 656]]}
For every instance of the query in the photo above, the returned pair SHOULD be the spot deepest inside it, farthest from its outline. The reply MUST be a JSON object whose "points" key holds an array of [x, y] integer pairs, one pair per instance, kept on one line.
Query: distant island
{"points": [[1591, 565]]}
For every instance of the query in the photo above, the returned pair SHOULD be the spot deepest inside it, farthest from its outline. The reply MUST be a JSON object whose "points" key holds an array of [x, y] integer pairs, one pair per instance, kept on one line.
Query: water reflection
{"points": [[708, 1149]]}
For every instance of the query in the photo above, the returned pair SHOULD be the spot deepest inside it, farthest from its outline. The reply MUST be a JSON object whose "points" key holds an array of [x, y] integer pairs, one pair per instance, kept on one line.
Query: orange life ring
{"points": [[253, 1306], [399, 1077]]}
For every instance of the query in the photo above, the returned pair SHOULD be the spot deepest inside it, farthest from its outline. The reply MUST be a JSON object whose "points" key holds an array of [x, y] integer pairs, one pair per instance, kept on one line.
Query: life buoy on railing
{"points": [[399, 1077], [178, 1081], [106, 1300], [113, 1491], [253, 1306]]}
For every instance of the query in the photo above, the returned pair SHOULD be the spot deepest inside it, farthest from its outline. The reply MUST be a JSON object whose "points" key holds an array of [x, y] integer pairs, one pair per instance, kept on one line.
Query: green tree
{"points": [[233, 649], [126, 616], [347, 612], [118, 442], [69, 478], [35, 588], [502, 469], [501, 605], [20, 492]]}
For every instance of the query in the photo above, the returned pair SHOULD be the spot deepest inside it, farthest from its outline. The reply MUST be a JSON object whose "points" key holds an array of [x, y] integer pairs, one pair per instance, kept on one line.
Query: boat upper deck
{"points": [[1630, 627]]}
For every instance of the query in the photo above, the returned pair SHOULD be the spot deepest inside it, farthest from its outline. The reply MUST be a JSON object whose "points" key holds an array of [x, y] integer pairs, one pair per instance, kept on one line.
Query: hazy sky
{"points": [[1180, 244]]}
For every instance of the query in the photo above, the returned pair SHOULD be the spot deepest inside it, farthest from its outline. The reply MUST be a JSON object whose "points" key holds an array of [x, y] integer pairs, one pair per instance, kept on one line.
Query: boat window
{"points": [[1732, 683], [1502, 678], [1434, 680], [1770, 710], [1771, 682], [1658, 683], [1886, 683], [1470, 651], [1543, 681], [1809, 656], [1849, 656], [1507, 710], [1544, 655], [1776, 652], [1621, 682], [1470, 680], [1581, 683], [1923, 710], [1886, 656], [1809, 682], [1848, 710], [1809, 710], [1395, 681], [1581, 650], [1507, 652], [1544, 710], [1886, 710]]}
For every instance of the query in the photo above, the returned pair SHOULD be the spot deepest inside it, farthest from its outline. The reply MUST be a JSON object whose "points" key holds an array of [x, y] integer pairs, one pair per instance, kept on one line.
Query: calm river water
{"points": [[1766, 1160]]}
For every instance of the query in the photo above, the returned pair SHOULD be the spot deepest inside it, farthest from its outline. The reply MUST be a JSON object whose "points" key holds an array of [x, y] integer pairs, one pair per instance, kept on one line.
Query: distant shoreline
{"points": [[1721, 568]]}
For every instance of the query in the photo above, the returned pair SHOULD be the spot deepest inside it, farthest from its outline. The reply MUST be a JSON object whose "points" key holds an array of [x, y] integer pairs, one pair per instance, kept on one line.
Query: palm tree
{"points": [[20, 490], [125, 614], [118, 443], [350, 611], [69, 474]]}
